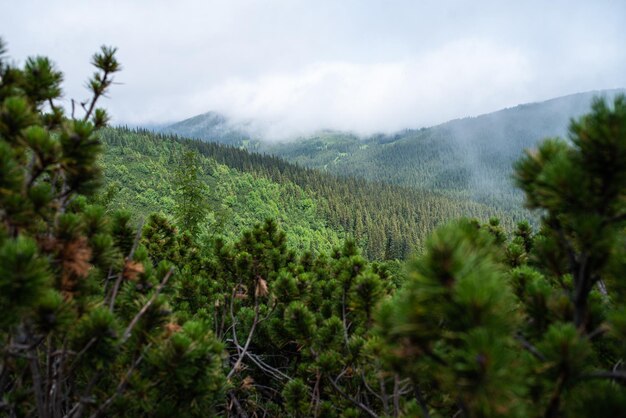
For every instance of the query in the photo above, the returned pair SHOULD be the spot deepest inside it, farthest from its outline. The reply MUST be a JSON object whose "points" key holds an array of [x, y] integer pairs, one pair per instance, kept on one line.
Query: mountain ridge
{"points": [[468, 158], [215, 126]]}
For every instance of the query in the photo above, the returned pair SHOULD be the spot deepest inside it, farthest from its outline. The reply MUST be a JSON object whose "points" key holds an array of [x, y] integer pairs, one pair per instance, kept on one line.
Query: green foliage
{"points": [[296, 398], [454, 318], [580, 186], [24, 278], [84, 312], [104, 318], [531, 341], [317, 210], [191, 203], [145, 166], [185, 375]]}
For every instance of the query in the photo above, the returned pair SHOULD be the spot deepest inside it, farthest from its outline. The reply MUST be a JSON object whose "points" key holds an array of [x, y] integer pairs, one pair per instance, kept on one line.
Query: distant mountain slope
{"points": [[140, 167], [469, 158], [213, 127], [317, 209]]}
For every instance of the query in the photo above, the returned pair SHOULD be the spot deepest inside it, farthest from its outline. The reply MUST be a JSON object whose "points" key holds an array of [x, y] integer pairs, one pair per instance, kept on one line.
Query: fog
{"points": [[294, 67]]}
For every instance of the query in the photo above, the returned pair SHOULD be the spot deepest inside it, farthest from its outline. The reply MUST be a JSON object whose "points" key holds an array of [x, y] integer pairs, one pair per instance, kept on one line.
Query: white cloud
{"points": [[297, 66], [366, 98]]}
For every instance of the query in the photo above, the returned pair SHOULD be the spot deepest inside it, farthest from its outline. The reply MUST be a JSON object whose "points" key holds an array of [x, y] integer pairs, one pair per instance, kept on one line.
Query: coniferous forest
{"points": [[147, 274]]}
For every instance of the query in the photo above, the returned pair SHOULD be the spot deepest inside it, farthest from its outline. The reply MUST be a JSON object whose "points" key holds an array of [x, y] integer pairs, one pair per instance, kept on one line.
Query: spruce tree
{"points": [[191, 196]]}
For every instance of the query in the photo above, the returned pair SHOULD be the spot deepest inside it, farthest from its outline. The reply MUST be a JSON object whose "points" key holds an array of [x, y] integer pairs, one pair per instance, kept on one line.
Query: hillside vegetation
{"points": [[140, 170], [317, 209], [469, 158]]}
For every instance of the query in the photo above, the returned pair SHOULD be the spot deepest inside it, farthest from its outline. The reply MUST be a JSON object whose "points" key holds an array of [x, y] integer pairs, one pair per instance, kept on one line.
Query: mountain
{"points": [[317, 209], [214, 127], [469, 158]]}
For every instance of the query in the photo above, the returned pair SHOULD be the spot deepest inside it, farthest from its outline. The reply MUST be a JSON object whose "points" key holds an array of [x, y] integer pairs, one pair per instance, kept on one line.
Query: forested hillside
{"points": [[244, 188], [468, 158], [212, 127], [141, 175]]}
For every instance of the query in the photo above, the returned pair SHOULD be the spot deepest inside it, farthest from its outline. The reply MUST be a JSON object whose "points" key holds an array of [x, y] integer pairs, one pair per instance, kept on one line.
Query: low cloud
{"points": [[294, 66], [384, 97]]}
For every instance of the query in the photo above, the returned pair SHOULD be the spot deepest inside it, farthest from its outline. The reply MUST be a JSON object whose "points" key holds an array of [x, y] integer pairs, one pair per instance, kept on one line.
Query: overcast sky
{"points": [[297, 66]]}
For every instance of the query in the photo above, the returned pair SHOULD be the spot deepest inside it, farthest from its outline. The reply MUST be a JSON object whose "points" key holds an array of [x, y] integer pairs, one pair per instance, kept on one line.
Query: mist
{"points": [[488, 145], [382, 97]]}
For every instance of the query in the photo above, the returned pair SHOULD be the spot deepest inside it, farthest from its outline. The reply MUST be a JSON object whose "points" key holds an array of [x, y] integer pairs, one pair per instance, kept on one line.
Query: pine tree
{"points": [[191, 195], [86, 326], [534, 326]]}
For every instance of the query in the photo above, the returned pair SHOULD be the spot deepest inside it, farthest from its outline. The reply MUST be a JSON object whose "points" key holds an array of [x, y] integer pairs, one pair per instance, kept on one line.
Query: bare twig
{"points": [[235, 401], [369, 389], [37, 384], [120, 387], [421, 401], [531, 348], [602, 329], [248, 341], [396, 395], [555, 399], [360, 405], [344, 320], [79, 407], [145, 308], [256, 359], [606, 374]]}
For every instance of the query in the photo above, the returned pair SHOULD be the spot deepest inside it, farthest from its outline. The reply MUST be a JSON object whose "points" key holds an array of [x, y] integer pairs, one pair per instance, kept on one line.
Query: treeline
{"points": [[388, 221]]}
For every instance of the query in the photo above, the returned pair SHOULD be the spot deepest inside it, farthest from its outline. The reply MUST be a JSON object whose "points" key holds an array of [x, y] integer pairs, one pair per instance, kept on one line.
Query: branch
{"points": [[233, 318], [369, 389], [531, 348], [606, 374], [87, 346], [238, 407], [77, 410], [97, 93], [37, 384], [422, 403], [615, 219], [245, 347], [267, 368], [272, 371], [602, 329], [362, 406], [53, 107], [344, 320], [555, 399], [120, 276], [120, 387], [145, 308], [582, 287]]}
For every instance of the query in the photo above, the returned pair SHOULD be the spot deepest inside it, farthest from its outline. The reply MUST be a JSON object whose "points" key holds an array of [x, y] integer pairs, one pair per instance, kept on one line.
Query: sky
{"points": [[294, 67]]}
